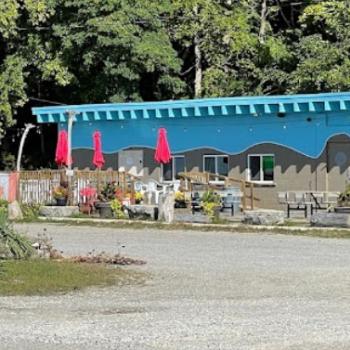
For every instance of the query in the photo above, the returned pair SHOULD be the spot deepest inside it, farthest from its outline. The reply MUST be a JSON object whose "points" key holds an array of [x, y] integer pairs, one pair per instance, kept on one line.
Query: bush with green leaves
{"points": [[30, 211], [108, 192], [344, 197], [3, 206], [211, 201], [12, 244], [210, 197], [117, 208]]}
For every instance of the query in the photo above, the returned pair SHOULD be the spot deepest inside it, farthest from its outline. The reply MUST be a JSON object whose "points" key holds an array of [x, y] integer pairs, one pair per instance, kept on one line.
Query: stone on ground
{"points": [[57, 211], [166, 207], [14, 211], [330, 220], [264, 217]]}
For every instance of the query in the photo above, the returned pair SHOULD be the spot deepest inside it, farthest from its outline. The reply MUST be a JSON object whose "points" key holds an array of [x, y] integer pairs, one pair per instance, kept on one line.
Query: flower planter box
{"points": [[343, 210], [180, 204], [104, 209], [61, 202]]}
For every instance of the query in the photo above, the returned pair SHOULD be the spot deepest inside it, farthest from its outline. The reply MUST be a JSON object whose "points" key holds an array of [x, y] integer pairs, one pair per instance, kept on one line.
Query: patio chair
{"points": [[231, 199], [196, 204], [228, 203], [140, 187], [330, 198], [154, 187], [176, 186], [296, 201], [282, 197], [316, 202]]}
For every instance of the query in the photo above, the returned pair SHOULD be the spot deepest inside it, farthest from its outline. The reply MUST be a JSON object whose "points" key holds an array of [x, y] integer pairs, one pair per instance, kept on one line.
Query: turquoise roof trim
{"points": [[228, 106]]}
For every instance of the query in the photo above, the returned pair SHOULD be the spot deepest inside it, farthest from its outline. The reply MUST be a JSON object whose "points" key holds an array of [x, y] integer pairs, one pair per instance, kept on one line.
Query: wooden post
{"points": [[244, 203], [124, 186], [18, 186], [132, 196], [251, 196]]}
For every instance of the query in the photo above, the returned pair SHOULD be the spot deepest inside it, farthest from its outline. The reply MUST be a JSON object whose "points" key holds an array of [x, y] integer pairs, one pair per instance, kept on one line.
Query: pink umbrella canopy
{"points": [[62, 148], [98, 159], [162, 154]]}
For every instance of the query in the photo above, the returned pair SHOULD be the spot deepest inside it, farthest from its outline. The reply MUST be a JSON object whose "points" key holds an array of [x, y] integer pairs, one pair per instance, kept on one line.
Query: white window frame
{"points": [[172, 169], [261, 181], [216, 156]]}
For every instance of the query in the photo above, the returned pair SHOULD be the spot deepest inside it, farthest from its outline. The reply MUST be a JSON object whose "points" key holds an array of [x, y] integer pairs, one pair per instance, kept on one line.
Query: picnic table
{"points": [[302, 200]]}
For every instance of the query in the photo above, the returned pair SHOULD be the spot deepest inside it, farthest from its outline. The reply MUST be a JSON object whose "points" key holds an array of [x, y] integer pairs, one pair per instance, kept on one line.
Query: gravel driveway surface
{"points": [[204, 291]]}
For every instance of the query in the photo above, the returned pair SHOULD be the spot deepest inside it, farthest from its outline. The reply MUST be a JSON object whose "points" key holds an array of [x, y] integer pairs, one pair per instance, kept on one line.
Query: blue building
{"points": [[292, 142]]}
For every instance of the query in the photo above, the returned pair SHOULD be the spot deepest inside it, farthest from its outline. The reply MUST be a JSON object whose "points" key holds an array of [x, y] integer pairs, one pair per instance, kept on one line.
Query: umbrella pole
{"points": [[70, 174], [98, 180]]}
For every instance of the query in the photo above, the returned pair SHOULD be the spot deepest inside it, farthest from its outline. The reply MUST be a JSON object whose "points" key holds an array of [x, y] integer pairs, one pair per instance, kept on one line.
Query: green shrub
{"points": [[117, 209], [3, 207], [344, 197], [211, 203], [210, 197], [30, 211], [12, 244], [108, 192], [210, 208]]}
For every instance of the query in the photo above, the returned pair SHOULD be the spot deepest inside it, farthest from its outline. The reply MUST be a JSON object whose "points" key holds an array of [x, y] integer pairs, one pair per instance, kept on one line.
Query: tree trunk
{"points": [[198, 69], [263, 22], [198, 62]]}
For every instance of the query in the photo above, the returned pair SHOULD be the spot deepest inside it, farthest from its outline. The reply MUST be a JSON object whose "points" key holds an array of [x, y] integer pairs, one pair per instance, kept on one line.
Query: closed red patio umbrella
{"points": [[98, 159], [162, 154], [61, 157]]}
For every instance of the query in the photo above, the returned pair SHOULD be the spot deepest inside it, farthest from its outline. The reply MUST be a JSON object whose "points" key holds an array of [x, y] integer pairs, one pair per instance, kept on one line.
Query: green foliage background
{"points": [[77, 51]]}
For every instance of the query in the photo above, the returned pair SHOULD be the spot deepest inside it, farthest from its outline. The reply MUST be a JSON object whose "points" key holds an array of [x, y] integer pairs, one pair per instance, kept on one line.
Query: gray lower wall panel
{"points": [[293, 171]]}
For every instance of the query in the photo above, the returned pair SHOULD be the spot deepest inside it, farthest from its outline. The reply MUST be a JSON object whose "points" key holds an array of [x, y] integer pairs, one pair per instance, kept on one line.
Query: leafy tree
{"points": [[213, 37], [118, 50], [81, 51], [323, 49], [27, 56]]}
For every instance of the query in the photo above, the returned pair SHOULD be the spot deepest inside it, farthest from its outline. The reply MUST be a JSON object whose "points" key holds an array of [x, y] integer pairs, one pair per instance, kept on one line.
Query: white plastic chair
{"points": [[152, 188]]}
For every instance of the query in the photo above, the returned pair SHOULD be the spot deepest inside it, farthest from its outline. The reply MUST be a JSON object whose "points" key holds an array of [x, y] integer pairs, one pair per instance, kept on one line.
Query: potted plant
{"points": [[60, 194], [117, 209], [107, 195], [180, 201], [88, 199], [344, 201], [211, 205], [138, 197]]}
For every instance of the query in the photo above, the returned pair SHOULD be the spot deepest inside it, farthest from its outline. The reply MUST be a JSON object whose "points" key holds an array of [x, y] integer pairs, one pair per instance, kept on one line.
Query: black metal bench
{"points": [[196, 203]]}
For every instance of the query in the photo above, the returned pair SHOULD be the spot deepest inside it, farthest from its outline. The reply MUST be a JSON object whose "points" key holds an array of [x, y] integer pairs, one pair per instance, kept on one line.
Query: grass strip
{"points": [[45, 277], [289, 229]]}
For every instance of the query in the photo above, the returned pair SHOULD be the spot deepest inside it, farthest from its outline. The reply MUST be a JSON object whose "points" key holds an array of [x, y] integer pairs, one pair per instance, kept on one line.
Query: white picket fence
{"points": [[36, 187]]}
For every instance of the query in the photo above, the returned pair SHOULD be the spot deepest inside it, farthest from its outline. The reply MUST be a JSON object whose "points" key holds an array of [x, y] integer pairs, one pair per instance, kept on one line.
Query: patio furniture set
{"points": [[304, 200]]}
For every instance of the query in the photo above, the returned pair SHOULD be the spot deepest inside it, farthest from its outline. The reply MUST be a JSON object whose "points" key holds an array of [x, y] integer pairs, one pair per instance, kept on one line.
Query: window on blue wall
{"points": [[173, 168], [216, 164], [261, 167]]}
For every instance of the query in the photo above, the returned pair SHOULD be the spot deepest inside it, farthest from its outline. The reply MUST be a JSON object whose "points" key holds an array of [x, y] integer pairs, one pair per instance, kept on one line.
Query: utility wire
{"points": [[47, 101]]}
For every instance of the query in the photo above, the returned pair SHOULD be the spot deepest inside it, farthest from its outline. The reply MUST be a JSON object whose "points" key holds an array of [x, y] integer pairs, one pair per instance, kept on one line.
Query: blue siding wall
{"points": [[302, 123], [230, 135]]}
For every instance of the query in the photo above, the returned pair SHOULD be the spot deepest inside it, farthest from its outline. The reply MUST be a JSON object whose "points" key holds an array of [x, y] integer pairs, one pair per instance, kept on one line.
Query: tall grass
{"points": [[12, 244]]}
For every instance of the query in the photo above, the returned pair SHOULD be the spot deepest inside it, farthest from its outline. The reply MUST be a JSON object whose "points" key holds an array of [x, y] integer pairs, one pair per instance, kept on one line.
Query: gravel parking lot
{"points": [[203, 291]]}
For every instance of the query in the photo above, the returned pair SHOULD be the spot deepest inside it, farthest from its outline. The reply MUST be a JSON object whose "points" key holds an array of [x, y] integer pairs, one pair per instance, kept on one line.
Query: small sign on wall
{"points": [[131, 161]]}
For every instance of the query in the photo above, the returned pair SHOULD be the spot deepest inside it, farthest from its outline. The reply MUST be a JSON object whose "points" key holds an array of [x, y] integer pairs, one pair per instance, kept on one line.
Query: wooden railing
{"points": [[35, 187], [208, 180]]}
